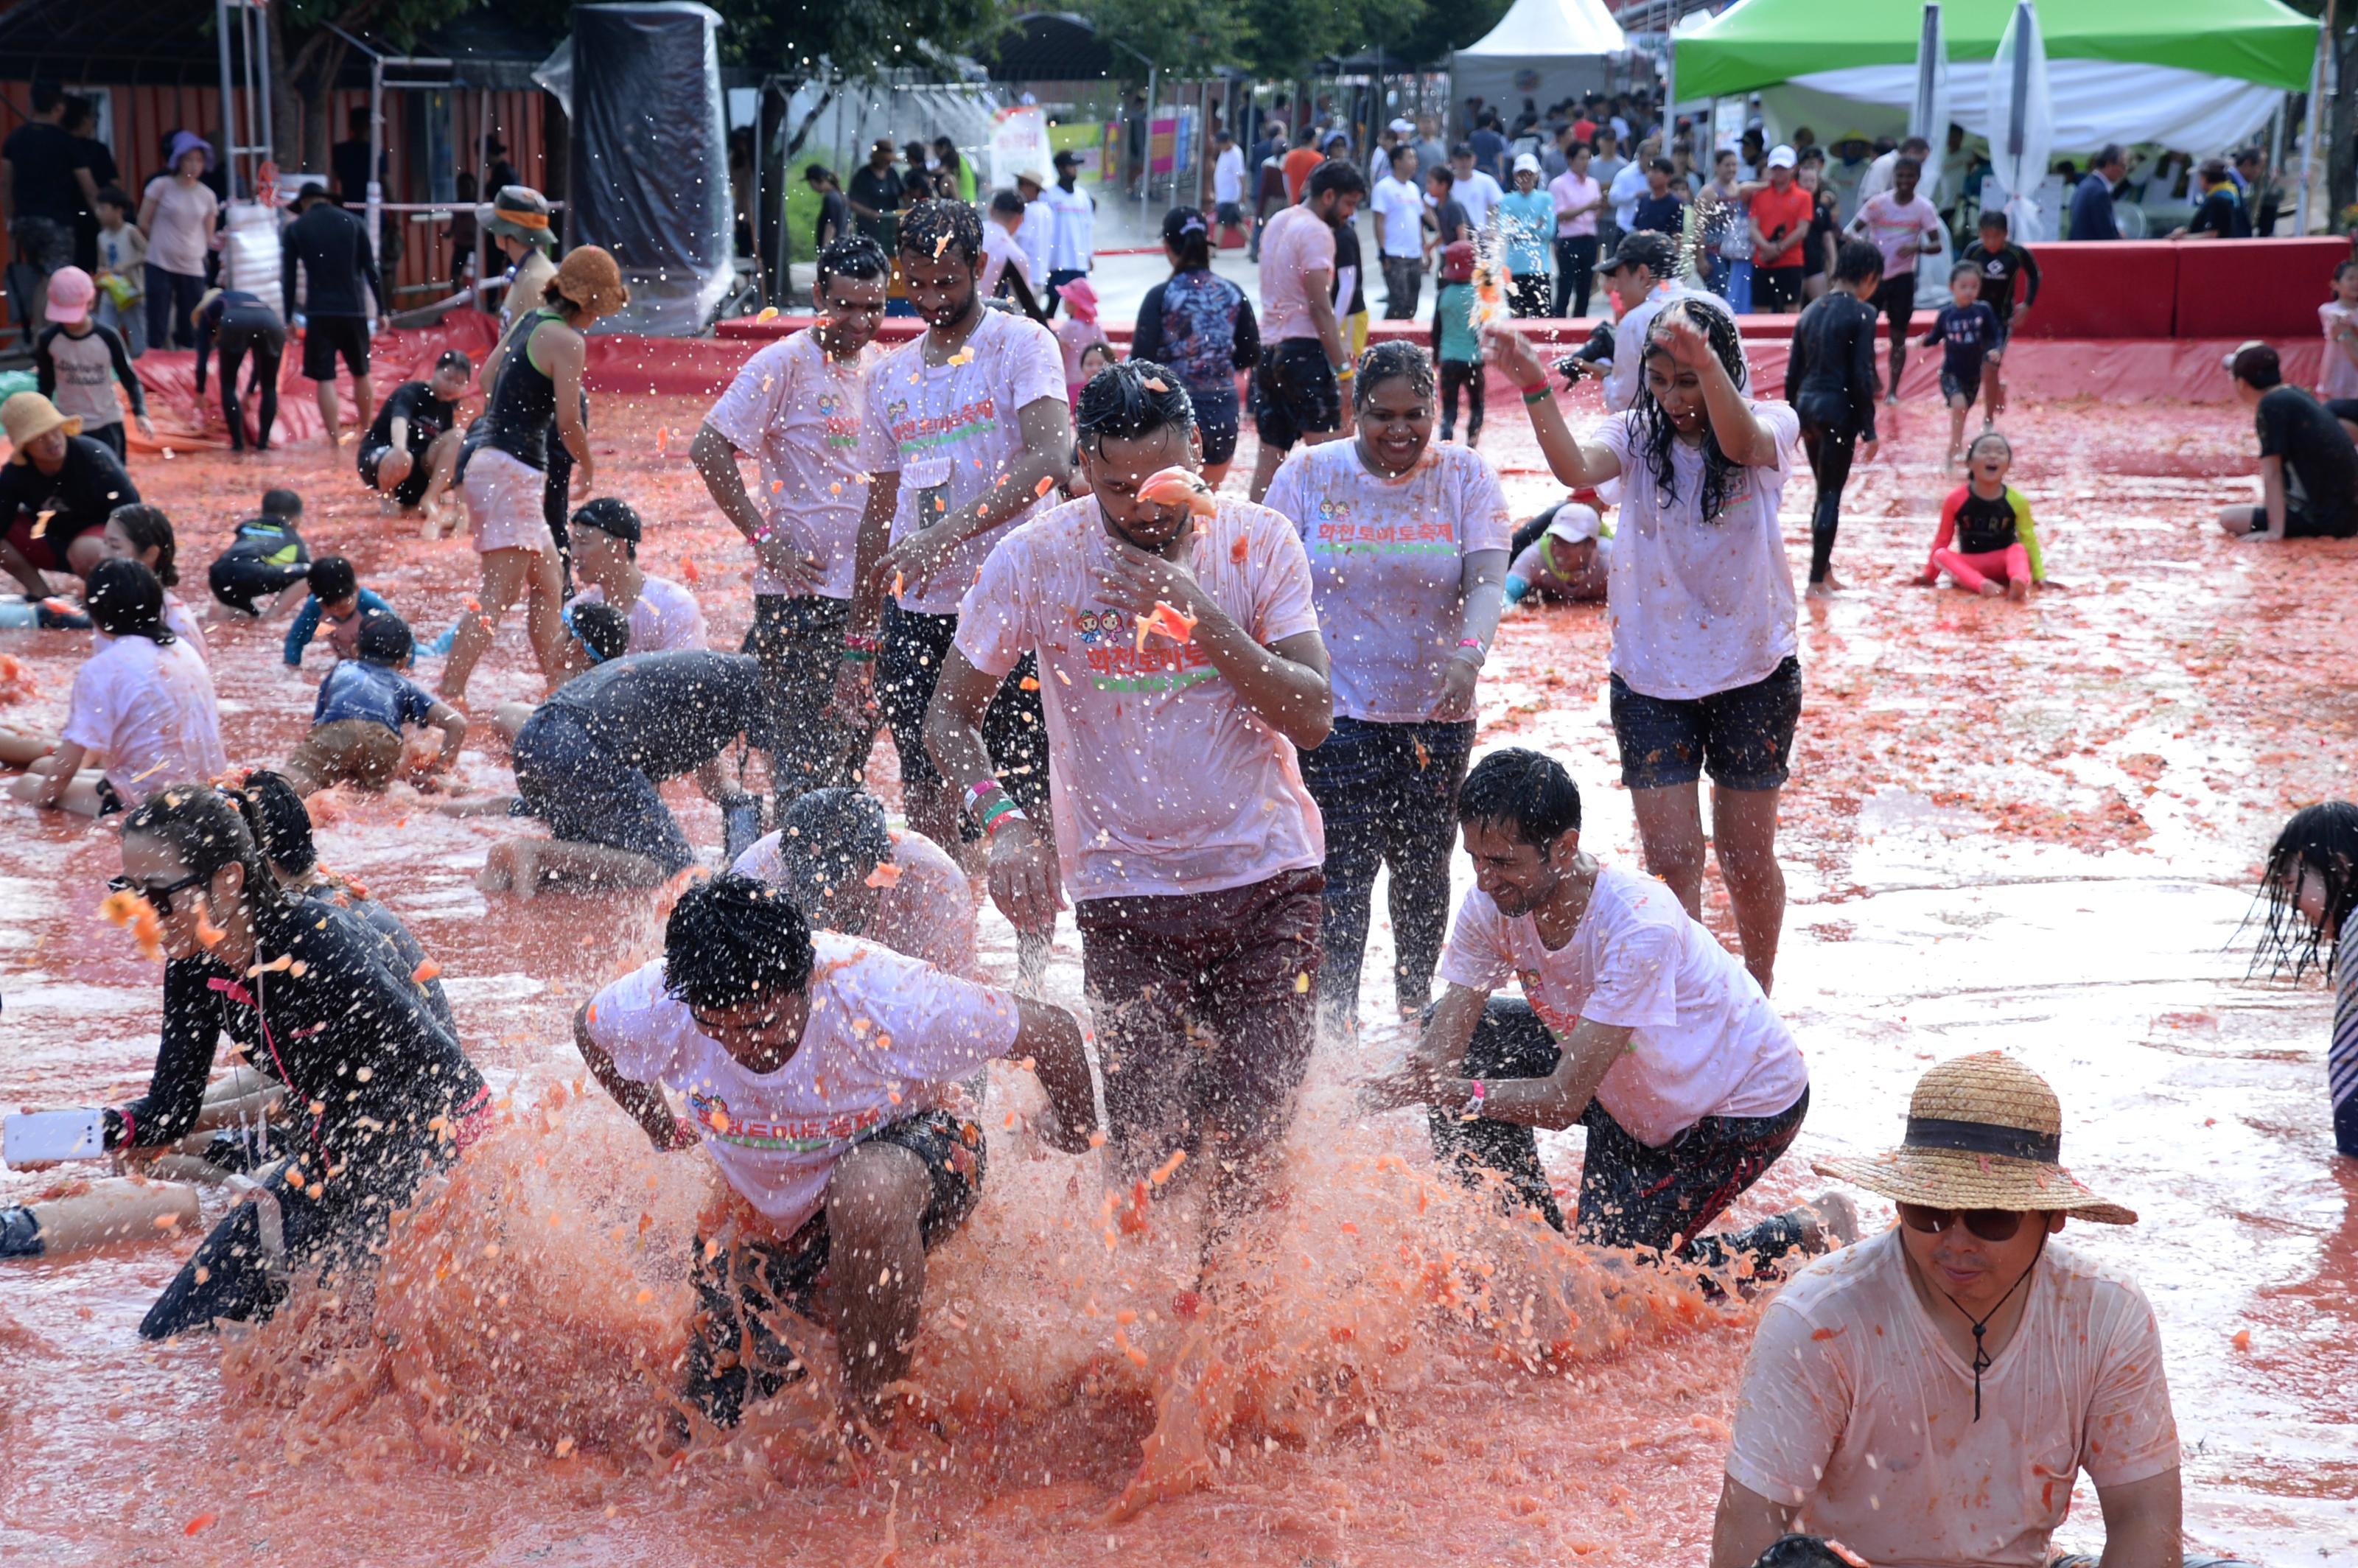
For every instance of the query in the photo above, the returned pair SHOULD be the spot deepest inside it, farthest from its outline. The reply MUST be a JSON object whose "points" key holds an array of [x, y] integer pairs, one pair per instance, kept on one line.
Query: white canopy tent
{"points": [[1541, 50]]}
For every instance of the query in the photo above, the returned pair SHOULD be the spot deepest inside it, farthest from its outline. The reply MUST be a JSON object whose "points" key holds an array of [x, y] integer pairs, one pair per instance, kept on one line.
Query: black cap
{"points": [[384, 639], [610, 514], [1182, 221], [1069, 156], [1642, 247]]}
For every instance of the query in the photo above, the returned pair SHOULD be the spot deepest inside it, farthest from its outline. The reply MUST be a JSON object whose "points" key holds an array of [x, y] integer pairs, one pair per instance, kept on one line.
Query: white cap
{"points": [[1402, 127], [1782, 157], [1574, 523], [1527, 162]]}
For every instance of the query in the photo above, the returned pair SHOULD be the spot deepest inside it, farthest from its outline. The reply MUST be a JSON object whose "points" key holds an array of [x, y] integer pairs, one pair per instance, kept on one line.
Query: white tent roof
{"points": [[1549, 29]]}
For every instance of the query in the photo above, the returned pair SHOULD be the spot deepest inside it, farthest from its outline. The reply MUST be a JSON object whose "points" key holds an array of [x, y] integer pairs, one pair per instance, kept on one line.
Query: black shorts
{"points": [[2301, 523], [238, 579], [568, 779], [1217, 421], [411, 490], [740, 1287], [1895, 298], [328, 338], [2005, 335], [1743, 737], [1952, 388], [1229, 214], [1776, 287], [799, 643], [1014, 726], [1295, 393]]}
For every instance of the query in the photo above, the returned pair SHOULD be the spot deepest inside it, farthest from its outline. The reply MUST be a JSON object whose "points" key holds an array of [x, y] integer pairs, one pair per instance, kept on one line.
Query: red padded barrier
{"points": [[2254, 288], [2126, 288]]}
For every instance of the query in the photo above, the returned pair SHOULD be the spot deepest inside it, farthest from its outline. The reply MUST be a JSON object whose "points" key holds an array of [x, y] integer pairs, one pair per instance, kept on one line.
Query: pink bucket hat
{"points": [[71, 292], [1080, 299]]}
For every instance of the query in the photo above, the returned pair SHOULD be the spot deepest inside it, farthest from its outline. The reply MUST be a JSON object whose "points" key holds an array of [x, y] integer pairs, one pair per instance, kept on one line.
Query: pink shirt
{"points": [[950, 430], [1572, 190], [1160, 780], [1296, 242], [1387, 558], [1856, 1409], [927, 913], [797, 408], [1898, 228]]}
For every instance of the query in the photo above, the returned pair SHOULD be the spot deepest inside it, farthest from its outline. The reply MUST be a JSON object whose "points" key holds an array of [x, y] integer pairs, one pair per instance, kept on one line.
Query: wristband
{"points": [[981, 788], [1536, 393], [851, 656], [1008, 811], [1480, 651], [1475, 1094], [864, 644]]}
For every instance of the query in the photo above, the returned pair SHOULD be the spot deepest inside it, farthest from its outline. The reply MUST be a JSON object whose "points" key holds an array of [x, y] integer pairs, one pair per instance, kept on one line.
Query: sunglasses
{"points": [[1990, 1224], [158, 899]]}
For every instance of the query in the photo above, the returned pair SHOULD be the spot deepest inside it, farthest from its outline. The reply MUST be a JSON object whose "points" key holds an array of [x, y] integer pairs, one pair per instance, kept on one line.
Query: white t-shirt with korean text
{"points": [[798, 409]]}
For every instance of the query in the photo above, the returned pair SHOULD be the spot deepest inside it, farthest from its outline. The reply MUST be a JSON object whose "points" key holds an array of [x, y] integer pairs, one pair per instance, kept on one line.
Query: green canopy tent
{"points": [[1760, 43]]}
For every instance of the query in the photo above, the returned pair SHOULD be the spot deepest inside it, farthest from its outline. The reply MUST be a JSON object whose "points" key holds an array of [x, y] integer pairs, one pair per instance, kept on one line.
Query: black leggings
{"points": [[1455, 374], [1831, 449], [269, 349], [238, 580], [1576, 273], [1631, 1195]]}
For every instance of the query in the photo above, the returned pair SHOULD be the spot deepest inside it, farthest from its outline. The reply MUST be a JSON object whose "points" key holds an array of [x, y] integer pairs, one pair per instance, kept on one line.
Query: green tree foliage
{"points": [[306, 56]]}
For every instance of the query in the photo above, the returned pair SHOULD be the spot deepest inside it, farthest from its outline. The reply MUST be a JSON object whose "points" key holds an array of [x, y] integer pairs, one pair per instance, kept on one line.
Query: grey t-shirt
{"points": [[666, 713]]}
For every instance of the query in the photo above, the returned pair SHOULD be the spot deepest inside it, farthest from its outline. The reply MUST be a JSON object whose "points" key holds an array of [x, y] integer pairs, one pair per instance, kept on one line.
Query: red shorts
{"points": [[47, 553]]}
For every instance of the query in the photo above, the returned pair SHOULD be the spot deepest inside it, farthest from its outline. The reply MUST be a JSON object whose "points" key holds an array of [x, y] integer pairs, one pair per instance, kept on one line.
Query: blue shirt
{"points": [[306, 622], [2091, 210], [358, 689], [1489, 153], [1662, 214], [1966, 333], [1528, 220]]}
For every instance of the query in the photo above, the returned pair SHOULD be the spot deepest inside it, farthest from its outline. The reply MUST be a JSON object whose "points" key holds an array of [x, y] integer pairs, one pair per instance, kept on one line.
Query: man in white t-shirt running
{"points": [[1930, 1396], [1179, 651], [797, 406], [1635, 1024], [820, 1073]]}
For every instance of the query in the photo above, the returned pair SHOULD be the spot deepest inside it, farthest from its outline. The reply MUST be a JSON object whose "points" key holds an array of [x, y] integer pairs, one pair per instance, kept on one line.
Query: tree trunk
{"points": [[286, 105], [2341, 131]]}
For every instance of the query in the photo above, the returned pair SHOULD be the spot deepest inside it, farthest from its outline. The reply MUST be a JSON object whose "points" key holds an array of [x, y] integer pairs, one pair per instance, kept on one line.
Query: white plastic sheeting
{"points": [[1541, 50], [2022, 128]]}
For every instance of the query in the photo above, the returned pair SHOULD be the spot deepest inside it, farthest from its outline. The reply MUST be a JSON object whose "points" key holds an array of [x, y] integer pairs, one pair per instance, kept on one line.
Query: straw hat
{"points": [[588, 277], [1983, 1131], [520, 213], [27, 416]]}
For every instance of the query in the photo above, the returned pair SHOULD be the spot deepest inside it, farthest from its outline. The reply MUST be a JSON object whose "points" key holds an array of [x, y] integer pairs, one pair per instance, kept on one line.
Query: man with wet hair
{"points": [[2309, 467], [1636, 1024], [966, 431], [820, 1073], [845, 869], [1180, 656]]}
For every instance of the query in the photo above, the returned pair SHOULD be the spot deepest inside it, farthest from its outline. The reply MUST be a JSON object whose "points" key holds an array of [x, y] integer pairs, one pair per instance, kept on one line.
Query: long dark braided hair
{"points": [[1654, 434]]}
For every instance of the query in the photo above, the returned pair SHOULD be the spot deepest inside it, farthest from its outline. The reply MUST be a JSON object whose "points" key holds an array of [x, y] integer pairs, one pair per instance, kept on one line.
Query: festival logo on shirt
{"points": [[920, 432], [842, 426], [802, 1135], [1109, 640], [1335, 534]]}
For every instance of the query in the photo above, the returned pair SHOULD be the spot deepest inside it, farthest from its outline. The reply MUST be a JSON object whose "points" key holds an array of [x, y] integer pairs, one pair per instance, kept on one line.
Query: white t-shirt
{"points": [[1856, 1409], [1075, 246], [1479, 195], [1400, 216], [2336, 376], [887, 1037], [149, 710], [798, 409], [1387, 559], [1706, 1040], [1228, 176], [950, 430], [1878, 175], [1629, 369], [1000, 251], [927, 913], [1629, 184], [178, 620], [1699, 606], [666, 615], [1160, 780], [1038, 236], [182, 228]]}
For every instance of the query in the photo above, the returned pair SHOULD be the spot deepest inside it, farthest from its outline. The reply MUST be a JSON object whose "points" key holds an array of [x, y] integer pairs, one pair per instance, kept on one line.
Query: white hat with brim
{"points": [[1983, 1131]]}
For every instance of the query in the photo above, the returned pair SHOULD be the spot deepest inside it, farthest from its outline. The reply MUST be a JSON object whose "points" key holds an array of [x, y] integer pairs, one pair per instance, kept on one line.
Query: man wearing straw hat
{"points": [[1928, 1396]]}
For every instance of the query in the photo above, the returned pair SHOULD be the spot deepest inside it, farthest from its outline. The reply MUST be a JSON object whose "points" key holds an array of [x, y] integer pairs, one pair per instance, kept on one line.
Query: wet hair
{"points": [[827, 839], [1398, 359], [1992, 218], [732, 940], [1528, 794], [206, 830], [1006, 204], [1965, 269], [1653, 439], [148, 529], [331, 577], [603, 630], [454, 358], [1856, 261], [384, 639], [1132, 399], [614, 517], [856, 255], [1975, 445], [1805, 1551], [2258, 366], [2323, 837], [281, 503], [281, 824], [933, 228], [115, 196], [125, 600], [1338, 175]]}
